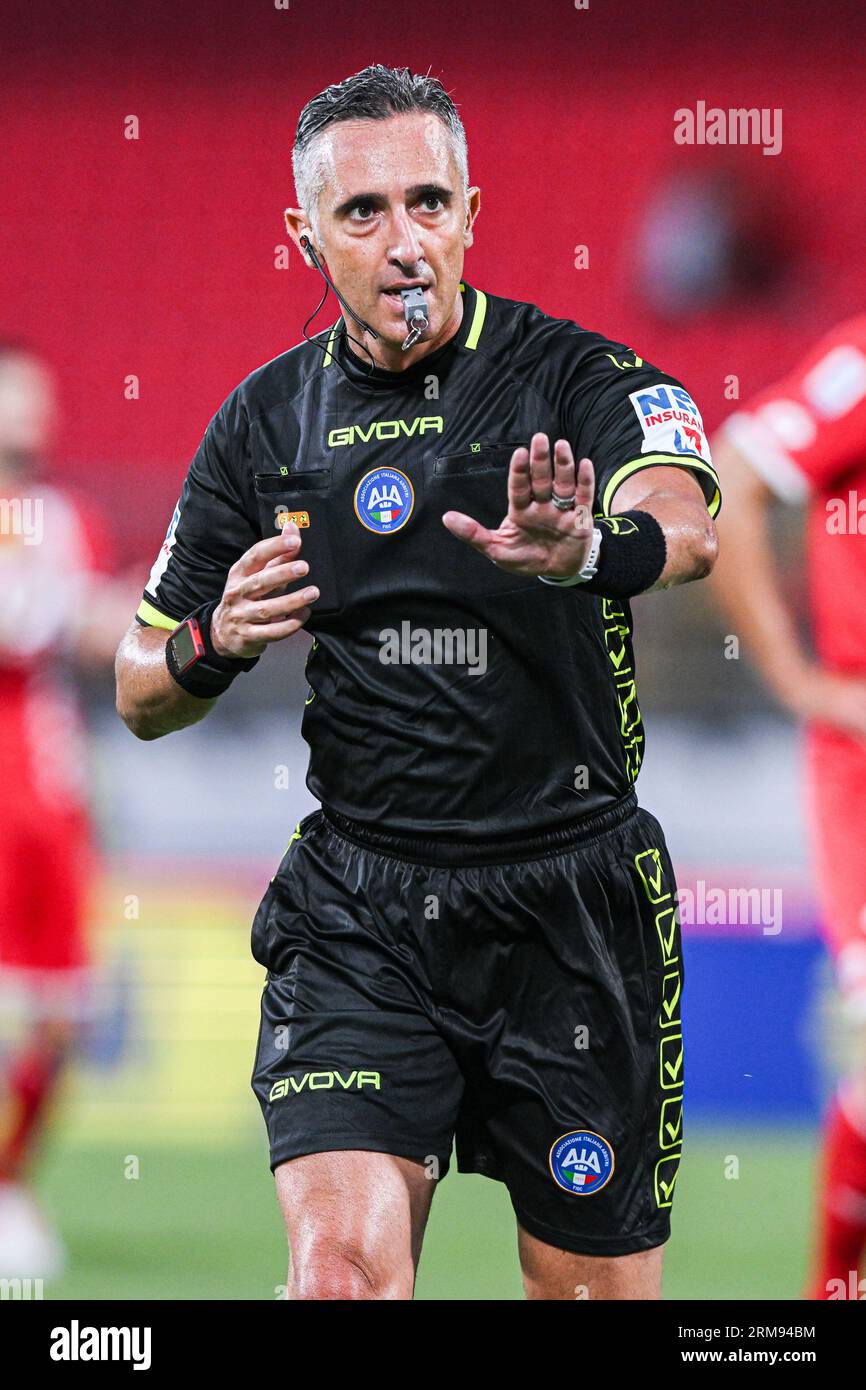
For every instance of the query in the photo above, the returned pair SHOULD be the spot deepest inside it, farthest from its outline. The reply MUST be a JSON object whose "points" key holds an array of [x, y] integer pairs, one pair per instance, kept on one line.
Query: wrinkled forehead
{"points": [[386, 157]]}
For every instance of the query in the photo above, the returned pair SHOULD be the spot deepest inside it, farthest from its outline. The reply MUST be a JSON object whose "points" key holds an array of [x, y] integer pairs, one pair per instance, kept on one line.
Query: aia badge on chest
{"points": [[581, 1162], [384, 499]]}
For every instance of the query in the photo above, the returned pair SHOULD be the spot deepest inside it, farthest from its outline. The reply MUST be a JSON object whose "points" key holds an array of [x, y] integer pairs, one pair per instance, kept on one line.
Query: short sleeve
{"points": [[809, 429], [210, 528], [625, 415]]}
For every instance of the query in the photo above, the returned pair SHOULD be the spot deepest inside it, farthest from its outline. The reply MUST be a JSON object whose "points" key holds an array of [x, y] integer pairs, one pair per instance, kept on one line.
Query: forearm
{"points": [[690, 538], [149, 701], [746, 586], [746, 583], [674, 498]]}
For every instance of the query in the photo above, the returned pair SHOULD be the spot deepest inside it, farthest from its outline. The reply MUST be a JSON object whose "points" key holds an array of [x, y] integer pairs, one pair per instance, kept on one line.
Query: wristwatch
{"points": [[589, 571], [192, 661], [185, 647]]}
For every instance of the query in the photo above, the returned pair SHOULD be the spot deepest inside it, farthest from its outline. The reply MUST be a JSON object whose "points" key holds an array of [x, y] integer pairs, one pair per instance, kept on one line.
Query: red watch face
{"points": [[187, 645]]}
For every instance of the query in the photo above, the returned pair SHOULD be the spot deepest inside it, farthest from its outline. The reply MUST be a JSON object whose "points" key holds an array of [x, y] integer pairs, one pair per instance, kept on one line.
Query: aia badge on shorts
{"points": [[581, 1162], [384, 500]]}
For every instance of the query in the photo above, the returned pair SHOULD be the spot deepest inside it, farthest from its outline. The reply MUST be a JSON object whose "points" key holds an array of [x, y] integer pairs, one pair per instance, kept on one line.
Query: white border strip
{"points": [[761, 448]]}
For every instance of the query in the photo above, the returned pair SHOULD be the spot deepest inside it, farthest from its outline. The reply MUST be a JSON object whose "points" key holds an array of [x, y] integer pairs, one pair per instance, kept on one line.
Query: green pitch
{"points": [[206, 1225]]}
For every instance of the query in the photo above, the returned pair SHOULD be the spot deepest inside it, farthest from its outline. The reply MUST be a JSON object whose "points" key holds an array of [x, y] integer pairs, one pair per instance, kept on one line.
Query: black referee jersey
{"points": [[448, 698]]}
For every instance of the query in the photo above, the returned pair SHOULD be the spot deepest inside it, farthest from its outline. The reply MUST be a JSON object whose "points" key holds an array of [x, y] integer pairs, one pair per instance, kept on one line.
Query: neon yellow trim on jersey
{"points": [[471, 342], [329, 356], [651, 460], [154, 618], [477, 320]]}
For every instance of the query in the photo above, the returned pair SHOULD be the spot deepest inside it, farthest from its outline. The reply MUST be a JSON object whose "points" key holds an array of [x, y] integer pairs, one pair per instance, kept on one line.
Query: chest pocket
{"points": [[475, 482], [303, 498]]}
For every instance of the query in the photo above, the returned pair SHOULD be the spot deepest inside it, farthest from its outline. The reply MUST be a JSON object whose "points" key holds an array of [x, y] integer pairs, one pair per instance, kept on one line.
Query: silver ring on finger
{"points": [[564, 504]]}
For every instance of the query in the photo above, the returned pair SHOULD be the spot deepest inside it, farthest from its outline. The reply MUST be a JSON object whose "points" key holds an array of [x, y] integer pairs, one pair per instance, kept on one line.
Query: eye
{"points": [[361, 212], [432, 198]]}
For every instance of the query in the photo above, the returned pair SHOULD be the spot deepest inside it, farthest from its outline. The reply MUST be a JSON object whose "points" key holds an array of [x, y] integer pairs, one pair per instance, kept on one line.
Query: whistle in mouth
{"points": [[416, 313]]}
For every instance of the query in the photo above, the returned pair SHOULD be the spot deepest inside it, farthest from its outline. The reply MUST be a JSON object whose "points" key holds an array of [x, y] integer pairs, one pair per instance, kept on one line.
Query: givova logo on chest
{"points": [[384, 430]]}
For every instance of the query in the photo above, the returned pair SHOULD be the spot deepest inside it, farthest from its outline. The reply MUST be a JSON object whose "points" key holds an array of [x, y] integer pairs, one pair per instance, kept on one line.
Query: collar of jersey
{"points": [[378, 379]]}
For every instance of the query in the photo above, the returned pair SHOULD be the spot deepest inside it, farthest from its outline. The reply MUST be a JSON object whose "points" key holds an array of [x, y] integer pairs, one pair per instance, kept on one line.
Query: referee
{"points": [[476, 936]]}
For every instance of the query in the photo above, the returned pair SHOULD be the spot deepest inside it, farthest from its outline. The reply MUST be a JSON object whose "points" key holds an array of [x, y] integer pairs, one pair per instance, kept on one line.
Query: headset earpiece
{"points": [[309, 249]]}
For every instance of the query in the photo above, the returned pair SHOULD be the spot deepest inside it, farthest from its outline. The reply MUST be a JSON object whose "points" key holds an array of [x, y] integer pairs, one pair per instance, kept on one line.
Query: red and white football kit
{"points": [[806, 436], [48, 561]]}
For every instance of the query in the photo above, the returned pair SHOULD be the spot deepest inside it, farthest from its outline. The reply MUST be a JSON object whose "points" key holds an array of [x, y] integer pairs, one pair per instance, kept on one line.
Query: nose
{"points": [[405, 246]]}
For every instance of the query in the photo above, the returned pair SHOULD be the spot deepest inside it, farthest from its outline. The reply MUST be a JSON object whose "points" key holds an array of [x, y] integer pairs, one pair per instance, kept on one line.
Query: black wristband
{"points": [[633, 554], [208, 674]]}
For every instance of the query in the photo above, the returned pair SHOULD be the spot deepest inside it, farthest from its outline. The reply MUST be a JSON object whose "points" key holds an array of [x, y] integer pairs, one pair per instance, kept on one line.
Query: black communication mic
{"points": [[415, 310], [308, 247]]}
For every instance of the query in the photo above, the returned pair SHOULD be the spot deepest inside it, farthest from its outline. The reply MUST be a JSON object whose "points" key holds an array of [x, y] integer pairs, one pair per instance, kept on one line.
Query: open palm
{"points": [[536, 536]]}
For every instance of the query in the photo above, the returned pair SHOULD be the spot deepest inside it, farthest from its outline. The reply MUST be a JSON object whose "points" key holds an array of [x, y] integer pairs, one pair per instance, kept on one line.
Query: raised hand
{"points": [[251, 613], [537, 536]]}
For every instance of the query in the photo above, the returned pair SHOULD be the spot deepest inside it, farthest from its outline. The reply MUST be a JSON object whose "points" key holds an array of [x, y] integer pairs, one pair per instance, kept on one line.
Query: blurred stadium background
{"points": [[160, 258]]}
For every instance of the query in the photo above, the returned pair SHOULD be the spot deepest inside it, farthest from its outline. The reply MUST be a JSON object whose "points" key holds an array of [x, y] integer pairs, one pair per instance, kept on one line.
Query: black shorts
{"points": [[523, 999]]}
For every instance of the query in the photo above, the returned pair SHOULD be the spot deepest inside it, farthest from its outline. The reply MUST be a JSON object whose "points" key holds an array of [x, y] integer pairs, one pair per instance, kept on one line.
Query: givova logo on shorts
{"points": [[324, 1081]]}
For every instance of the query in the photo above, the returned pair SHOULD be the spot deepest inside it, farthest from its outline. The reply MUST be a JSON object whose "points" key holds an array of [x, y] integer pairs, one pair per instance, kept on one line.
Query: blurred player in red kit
{"points": [[57, 605], [804, 441]]}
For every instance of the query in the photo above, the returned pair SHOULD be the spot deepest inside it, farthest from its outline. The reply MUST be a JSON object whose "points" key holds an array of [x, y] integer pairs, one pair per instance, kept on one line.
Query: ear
{"points": [[473, 207], [297, 226]]}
